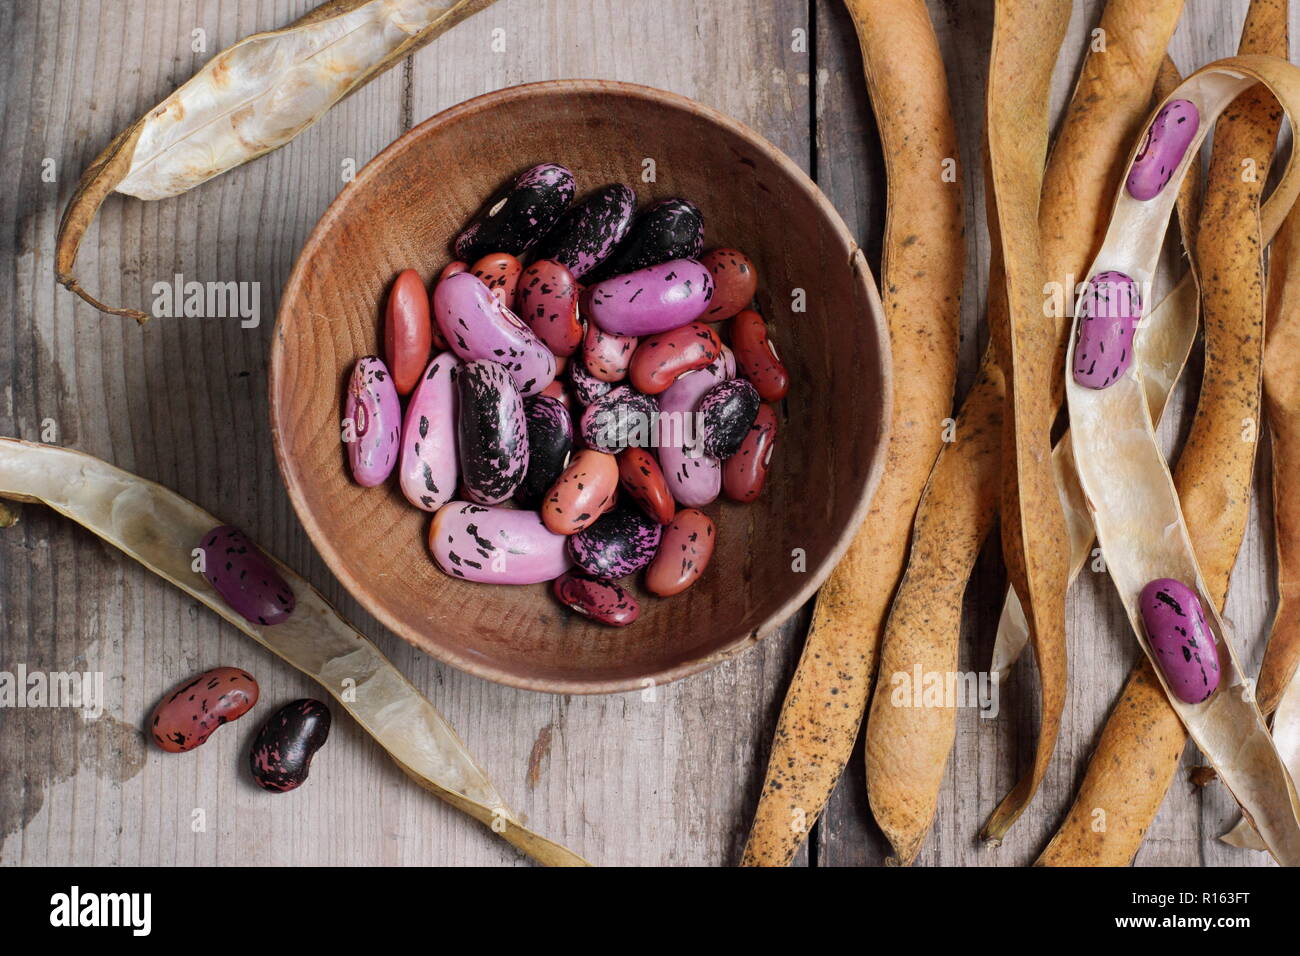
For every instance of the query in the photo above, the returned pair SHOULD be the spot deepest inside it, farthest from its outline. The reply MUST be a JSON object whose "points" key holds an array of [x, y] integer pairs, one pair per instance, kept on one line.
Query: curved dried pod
{"points": [[1139, 749], [249, 100], [1026, 37], [1162, 351], [1136, 507], [159, 528], [924, 242]]}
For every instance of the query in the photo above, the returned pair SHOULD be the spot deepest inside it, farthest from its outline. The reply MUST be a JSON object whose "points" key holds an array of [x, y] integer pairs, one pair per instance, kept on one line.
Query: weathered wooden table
{"points": [[621, 779]]}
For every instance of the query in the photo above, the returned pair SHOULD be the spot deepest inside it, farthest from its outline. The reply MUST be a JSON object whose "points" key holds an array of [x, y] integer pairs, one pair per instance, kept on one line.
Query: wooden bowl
{"points": [[402, 211]]}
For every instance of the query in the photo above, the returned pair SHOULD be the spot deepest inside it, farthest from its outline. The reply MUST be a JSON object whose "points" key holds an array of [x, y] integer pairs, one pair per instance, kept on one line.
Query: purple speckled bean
{"points": [[586, 387], [1108, 314], [624, 418], [1181, 639], [693, 477], [587, 234], [519, 214], [1163, 148], [651, 300], [492, 433], [618, 544], [375, 436], [496, 545], [602, 601], [429, 463], [244, 578], [478, 327]]}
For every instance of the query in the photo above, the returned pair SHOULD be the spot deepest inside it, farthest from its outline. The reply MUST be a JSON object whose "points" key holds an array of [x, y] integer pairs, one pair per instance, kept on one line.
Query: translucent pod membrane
{"points": [[1126, 482]]}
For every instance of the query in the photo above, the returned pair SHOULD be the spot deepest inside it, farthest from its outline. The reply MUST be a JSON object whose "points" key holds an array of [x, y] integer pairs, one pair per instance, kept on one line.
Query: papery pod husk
{"points": [[160, 529], [1026, 37], [1136, 508], [922, 269], [1163, 352], [351, 42]]}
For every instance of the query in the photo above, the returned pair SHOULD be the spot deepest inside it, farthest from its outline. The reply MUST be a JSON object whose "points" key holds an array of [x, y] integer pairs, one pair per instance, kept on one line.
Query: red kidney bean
{"points": [[684, 553], [281, 754], [661, 359], [640, 474], [408, 331], [186, 717], [602, 601], [499, 271], [582, 493], [735, 280], [607, 356], [1181, 639], [756, 356], [744, 472]]}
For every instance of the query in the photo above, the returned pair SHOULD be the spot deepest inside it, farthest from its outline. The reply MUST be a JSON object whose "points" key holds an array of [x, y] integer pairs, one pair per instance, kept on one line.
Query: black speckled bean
{"points": [[727, 412], [623, 418], [670, 229], [618, 544], [586, 387], [588, 233], [492, 432], [281, 755], [519, 214], [550, 440]]}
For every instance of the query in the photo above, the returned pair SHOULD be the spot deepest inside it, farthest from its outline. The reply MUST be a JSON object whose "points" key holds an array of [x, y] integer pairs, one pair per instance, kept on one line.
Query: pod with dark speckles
{"points": [[588, 233], [408, 332], [744, 473], [548, 302], [282, 752], [622, 542], [694, 478], [1109, 310], [684, 553], [607, 356], [586, 387], [1163, 149], [550, 441], [186, 717], [428, 467], [624, 418], [651, 300], [496, 545], [245, 578], [756, 356], [735, 280], [519, 214], [478, 327], [492, 433], [669, 229], [372, 422], [726, 413], [662, 359], [640, 475], [582, 493], [1181, 639], [602, 601], [499, 271]]}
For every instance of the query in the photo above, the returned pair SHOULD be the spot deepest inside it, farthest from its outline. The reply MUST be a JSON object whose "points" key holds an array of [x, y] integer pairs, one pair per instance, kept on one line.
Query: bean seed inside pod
{"points": [[1180, 638], [245, 578], [1108, 314]]}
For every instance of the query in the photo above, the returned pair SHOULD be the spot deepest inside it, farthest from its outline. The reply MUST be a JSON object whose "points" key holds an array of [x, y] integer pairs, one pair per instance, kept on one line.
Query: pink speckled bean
{"points": [[1163, 148], [496, 545], [429, 465], [375, 435], [1108, 314], [1181, 639]]}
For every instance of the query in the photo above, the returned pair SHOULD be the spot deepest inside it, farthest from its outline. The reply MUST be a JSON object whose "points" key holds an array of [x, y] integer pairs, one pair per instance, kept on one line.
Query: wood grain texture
{"points": [[620, 779]]}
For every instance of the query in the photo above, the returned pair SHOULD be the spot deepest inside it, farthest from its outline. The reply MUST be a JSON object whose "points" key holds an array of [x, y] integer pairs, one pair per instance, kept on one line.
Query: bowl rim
{"points": [[815, 578]]}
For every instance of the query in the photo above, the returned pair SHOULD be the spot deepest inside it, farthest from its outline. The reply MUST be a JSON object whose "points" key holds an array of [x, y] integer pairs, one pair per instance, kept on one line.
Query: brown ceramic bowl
{"points": [[402, 211]]}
